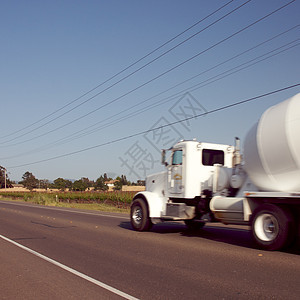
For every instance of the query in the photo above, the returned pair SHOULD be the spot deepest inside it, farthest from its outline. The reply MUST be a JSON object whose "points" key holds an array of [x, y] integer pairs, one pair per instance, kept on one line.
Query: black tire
{"points": [[273, 227], [139, 215], [194, 225]]}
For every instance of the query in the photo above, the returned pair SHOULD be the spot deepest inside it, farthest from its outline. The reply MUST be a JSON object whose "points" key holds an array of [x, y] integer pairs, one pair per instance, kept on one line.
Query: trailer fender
{"points": [[155, 203]]}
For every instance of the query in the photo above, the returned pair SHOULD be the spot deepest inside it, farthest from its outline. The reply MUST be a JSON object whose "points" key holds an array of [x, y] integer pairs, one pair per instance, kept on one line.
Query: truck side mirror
{"points": [[163, 157]]}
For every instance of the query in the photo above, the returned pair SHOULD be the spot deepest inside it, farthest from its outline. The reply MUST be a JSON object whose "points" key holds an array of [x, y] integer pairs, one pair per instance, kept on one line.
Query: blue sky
{"points": [[57, 58]]}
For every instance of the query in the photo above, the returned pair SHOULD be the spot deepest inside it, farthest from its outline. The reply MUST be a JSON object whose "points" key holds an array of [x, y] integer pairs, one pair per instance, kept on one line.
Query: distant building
{"points": [[110, 184], [133, 188], [14, 187]]}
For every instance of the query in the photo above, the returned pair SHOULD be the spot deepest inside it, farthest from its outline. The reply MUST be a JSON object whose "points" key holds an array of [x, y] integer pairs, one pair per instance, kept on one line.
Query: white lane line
{"points": [[65, 210], [90, 279]]}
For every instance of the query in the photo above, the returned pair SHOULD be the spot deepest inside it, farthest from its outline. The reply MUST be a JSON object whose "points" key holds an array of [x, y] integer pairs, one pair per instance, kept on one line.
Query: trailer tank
{"points": [[272, 147]]}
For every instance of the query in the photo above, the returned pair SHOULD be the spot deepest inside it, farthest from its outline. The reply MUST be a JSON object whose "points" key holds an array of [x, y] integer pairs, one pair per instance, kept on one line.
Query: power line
{"points": [[210, 80], [239, 67], [199, 85], [160, 127], [119, 73], [249, 63], [226, 61], [162, 101], [162, 74]]}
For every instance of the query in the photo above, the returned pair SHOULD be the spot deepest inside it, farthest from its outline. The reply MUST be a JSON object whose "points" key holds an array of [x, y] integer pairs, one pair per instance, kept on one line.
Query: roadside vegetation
{"points": [[82, 193], [30, 182], [116, 201]]}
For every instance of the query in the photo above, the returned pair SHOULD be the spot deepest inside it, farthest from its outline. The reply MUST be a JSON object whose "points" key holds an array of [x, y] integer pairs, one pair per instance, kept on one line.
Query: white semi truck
{"points": [[206, 182]]}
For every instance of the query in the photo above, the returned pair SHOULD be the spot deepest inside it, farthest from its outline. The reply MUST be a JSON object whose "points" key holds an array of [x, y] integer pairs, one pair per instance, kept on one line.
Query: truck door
{"points": [[175, 173], [210, 157]]}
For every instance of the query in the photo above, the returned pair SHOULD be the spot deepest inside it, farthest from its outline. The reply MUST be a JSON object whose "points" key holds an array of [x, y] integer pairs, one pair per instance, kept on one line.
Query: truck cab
{"points": [[192, 165], [194, 172]]}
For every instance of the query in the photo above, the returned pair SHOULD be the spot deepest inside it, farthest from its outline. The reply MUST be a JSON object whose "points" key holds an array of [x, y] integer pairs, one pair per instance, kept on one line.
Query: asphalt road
{"points": [[72, 254]]}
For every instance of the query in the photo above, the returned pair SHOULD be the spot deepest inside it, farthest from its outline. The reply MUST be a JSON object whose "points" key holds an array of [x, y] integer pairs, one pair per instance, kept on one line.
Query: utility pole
{"points": [[5, 179]]}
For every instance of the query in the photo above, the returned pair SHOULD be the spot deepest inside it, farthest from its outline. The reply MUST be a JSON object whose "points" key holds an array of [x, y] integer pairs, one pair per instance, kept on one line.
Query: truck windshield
{"points": [[177, 157], [211, 157]]}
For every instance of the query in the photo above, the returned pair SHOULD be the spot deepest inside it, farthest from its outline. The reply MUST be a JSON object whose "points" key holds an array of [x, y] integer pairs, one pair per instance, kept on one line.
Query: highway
{"points": [[59, 253]]}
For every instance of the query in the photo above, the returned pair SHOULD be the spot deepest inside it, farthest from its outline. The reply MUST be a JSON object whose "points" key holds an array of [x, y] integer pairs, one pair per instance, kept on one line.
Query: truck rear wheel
{"points": [[272, 227], [139, 215]]}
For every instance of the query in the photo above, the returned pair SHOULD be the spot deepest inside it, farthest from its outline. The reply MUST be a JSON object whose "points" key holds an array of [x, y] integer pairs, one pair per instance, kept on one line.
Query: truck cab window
{"points": [[177, 157], [211, 157]]}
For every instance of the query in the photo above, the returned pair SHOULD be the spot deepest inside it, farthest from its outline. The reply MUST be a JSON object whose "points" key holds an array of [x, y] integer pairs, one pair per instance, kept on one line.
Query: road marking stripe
{"points": [[66, 210], [90, 279]]}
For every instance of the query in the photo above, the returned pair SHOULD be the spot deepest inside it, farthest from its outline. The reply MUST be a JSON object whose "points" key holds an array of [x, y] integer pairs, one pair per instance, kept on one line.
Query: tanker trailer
{"points": [[272, 148], [206, 182], [271, 195]]}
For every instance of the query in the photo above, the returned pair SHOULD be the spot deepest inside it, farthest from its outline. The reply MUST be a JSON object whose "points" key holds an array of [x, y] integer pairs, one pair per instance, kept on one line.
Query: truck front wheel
{"points": [[139, 215], [272, 227]]}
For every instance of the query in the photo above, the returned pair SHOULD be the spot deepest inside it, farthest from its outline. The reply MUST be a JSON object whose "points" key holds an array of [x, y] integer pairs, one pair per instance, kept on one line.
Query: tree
{"points": [[100, 184], [106, 178], [121, 181], [78, 186], [44, 183], [141, 182], [29, 181], [62, 184], [118, 184], [2, 178], [88, 183], [82, 184], [124, 180]]}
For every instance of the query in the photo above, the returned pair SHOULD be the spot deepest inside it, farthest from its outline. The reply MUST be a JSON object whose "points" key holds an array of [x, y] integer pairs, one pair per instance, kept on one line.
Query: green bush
{"points": [[117, 198]]}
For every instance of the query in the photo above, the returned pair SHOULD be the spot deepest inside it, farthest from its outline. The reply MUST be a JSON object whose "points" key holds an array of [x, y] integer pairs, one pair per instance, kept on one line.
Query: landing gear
{"points": [[194, 225]]}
